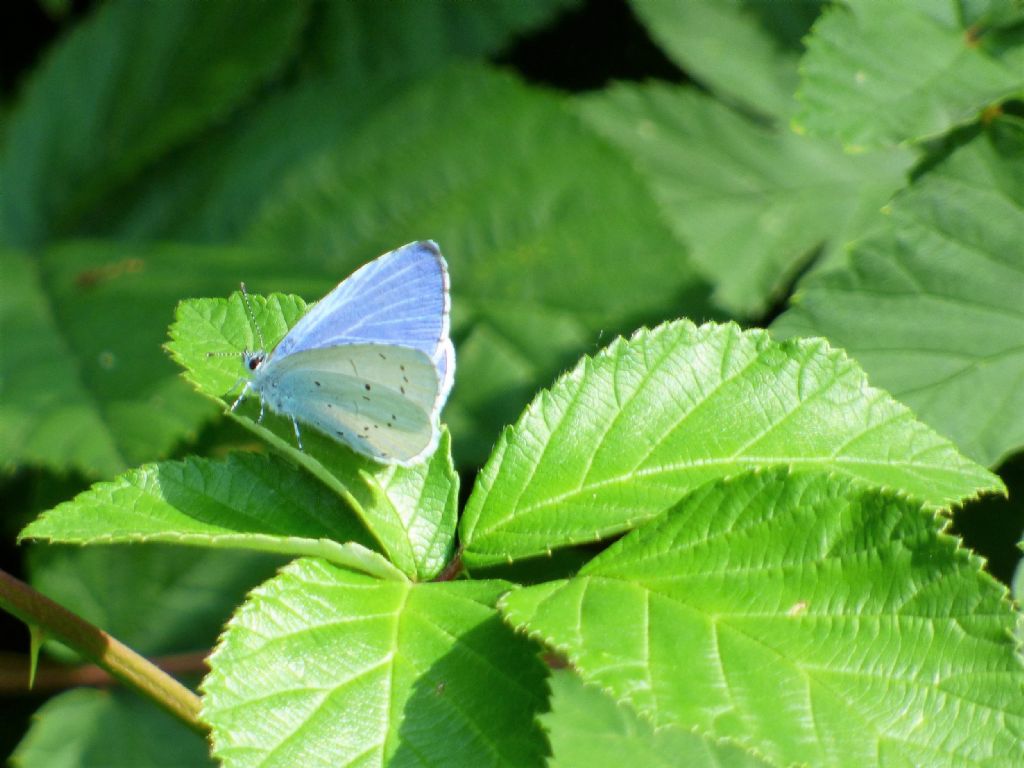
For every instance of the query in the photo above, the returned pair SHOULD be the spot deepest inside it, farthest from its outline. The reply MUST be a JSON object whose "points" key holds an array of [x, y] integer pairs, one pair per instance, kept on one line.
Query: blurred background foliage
{"points": [[587, 167]]}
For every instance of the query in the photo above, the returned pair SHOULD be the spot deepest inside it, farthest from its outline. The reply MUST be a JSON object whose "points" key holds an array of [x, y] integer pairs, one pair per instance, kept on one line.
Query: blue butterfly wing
{"points": [[377, 399], [399, 298]]}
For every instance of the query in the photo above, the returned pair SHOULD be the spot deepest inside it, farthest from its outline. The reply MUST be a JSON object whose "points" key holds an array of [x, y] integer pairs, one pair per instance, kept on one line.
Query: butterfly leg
{"points": [[260, 419], [298, 437], [234, 386], [241, 397]]}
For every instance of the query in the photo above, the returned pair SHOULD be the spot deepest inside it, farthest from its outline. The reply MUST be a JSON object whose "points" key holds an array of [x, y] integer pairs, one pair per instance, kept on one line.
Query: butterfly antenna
{"points": [[252, 318]]}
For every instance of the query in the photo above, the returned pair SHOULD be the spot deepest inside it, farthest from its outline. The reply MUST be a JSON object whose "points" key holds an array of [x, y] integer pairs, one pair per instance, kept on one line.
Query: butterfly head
{"points": [[253, 360]]}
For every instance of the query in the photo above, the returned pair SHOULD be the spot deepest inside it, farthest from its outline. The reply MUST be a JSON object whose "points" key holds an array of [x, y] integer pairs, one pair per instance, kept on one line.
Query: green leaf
{"points": [[109, 728], [246, 502], [880, 74], [447, 178], [804, 616], [626, 434], [1017, 584], [124, 86], [586, 727], [746, 52], [47, 416], [156, 599], [753, 203], [211, 189], [363, 40], [84, 382], [56, 9], [932, 305], [505, 354], [409, 511], [593, 250], [324, 667], [358, 57]]}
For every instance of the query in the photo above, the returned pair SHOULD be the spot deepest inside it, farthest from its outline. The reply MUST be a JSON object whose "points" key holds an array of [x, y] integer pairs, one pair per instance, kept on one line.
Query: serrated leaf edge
{"points": [[762, 340]]}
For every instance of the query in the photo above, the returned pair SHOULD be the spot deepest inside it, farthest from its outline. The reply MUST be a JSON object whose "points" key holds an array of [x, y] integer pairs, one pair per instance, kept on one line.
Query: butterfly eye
{"points": [[255, 361]]}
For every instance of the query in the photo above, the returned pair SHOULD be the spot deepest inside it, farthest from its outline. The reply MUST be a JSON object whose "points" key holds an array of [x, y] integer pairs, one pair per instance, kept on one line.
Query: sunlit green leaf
{"points": [[627, 433], [933, 305], [410, 511], [814, 620], [323, 668], [587, 728], [533, 212], [247, 502]]}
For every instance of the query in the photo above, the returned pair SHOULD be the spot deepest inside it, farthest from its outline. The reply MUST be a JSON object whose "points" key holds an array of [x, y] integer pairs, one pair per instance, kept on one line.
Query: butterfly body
{"points": [[371, 364]]}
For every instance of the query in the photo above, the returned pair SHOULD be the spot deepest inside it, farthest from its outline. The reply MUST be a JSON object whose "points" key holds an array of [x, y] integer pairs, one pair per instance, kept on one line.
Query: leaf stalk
{"points": [[124, 664]]}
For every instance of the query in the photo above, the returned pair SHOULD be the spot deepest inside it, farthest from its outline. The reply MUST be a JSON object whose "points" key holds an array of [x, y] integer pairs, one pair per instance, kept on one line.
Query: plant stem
{"points": [[452, 570], [52, 676], [34, 608]]}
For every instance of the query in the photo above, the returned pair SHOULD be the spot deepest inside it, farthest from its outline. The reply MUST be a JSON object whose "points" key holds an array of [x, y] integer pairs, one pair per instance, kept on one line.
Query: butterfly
{"points": [[370, 365]]}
